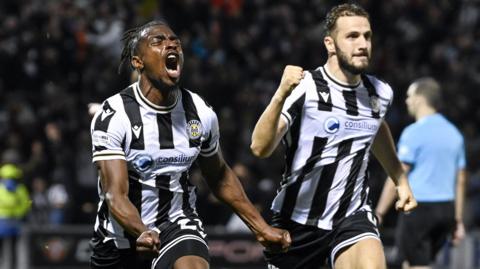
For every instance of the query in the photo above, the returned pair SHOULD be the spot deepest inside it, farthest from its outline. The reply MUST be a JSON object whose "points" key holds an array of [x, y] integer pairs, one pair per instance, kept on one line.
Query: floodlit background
{"points": [[56, 56]]}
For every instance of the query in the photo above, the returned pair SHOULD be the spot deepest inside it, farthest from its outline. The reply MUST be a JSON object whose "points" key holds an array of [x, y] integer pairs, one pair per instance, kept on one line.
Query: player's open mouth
{"points": [[172, 65]]}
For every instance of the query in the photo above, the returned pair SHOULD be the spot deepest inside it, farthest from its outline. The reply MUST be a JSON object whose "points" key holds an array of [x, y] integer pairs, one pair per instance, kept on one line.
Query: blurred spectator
{"points": [[40, 214], [14, 205], [49, 203], [57, 198]]}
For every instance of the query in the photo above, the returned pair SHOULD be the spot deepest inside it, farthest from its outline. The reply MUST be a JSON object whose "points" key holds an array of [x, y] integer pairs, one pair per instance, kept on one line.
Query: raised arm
{"points": [[226, 187], [114, 181], [384, 150], [270, 129]]}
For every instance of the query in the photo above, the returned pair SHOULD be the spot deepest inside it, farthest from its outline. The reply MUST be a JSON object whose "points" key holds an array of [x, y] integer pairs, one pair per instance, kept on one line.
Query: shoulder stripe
{"points": [[323, 91], [165, 132], [351, 102], [372, 93], [132, 108], [296, 108], [103, 120], [191, 114]]}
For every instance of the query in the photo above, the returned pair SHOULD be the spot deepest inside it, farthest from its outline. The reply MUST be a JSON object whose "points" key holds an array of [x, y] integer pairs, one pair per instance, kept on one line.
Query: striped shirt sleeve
{"points": [[294, 103], [211, 139], [108, 134]]}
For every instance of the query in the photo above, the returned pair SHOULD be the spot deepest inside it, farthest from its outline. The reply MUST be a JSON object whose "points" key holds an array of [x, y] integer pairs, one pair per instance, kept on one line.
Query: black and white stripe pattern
{"points": [[331, 129], [159, 145]]}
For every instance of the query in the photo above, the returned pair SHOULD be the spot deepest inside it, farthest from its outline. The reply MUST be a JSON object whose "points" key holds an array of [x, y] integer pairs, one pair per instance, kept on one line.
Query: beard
{"points": [[348, 65]]}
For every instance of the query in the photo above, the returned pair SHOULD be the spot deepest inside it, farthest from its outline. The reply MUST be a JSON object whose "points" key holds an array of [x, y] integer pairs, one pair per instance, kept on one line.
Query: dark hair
{"points": [[130, 40], [430, 89], [340, 11]]}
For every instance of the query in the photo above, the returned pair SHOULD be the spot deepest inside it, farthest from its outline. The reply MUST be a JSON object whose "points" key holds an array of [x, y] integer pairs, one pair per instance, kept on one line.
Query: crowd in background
{"points": [[58, 56]]}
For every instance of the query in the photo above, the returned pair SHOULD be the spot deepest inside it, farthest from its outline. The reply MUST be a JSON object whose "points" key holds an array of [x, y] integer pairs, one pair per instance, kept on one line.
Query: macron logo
{"points": [[106, 113], [325, 96], [137, 130]]}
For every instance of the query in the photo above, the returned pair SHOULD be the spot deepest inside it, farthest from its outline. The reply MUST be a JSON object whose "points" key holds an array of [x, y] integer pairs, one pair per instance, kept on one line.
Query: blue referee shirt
{"points": [[434, 149]]}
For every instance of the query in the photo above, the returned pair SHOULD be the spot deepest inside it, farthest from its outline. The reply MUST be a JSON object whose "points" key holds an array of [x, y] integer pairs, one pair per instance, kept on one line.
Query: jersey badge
{"points": [[375, 104], [194, 129]]}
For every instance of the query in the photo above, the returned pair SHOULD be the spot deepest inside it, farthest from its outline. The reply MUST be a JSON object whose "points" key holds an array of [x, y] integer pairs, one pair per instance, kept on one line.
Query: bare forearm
{"points": [[460, 195], [265, 136], [114, 182], [387, 198], [269, 129], [384, 150], [230, 191], [126, 215]]}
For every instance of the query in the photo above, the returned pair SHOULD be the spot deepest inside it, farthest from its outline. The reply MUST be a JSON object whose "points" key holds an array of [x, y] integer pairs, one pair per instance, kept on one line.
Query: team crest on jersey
{"points": [[194, 129], [375, 104], [142, 162], [331, 125]]}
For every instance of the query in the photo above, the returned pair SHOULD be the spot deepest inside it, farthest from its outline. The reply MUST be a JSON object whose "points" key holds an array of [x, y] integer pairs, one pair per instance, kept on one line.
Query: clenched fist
{"points": [[406, 202], [290, 79], [274, 239], [148, 244]]}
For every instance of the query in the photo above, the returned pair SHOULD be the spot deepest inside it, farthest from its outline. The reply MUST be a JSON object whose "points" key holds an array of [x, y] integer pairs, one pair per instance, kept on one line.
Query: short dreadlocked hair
{"points": [[341, 11], [130, 40]]}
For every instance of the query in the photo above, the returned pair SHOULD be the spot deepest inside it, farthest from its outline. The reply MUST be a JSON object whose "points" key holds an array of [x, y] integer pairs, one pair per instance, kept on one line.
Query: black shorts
{"points": [[422, 233], [185, 237], [107, 256], [313, 247]]}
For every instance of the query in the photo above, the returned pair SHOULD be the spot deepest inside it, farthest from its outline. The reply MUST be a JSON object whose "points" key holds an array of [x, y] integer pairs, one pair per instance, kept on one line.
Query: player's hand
{"points": [[406, 202], [379, 218], [290, 79], [458, 234], [148, 244], [274, 239]]}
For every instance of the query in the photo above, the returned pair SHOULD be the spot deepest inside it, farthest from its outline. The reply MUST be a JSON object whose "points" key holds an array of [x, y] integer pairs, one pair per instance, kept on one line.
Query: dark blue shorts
{"points": [[313, 247], [421, 233]]}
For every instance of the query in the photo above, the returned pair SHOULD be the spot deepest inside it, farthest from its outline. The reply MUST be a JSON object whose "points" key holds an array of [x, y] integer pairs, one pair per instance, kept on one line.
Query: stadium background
{"points": [[57, 56]]}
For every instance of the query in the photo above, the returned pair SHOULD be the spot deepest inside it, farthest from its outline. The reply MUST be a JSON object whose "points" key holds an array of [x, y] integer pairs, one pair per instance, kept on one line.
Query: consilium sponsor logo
{"points": [[174, 160], [360, 125], [143, 162]]}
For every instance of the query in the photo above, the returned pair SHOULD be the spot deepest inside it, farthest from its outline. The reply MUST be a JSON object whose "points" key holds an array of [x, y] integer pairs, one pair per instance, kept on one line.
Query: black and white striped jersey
{"points": [[159, 145], [331, 128]]}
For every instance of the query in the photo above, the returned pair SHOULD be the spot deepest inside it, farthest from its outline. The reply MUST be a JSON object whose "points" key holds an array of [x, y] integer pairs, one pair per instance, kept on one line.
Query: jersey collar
{"points": [[341, 84], [145, 102]]}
